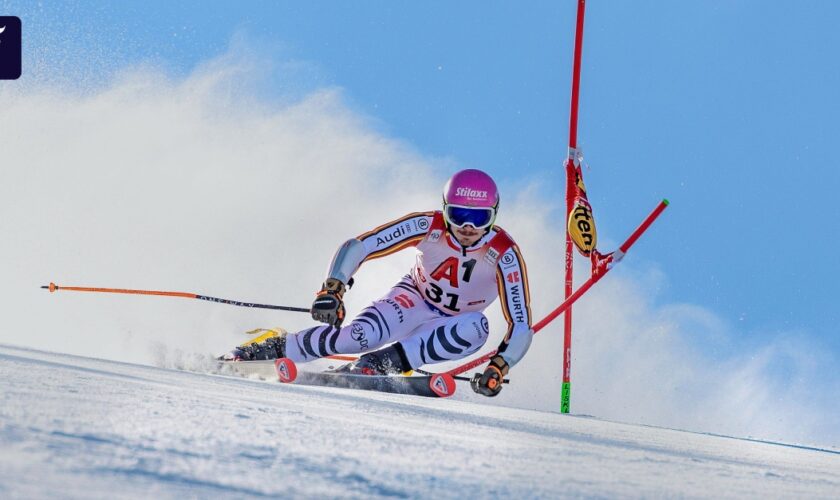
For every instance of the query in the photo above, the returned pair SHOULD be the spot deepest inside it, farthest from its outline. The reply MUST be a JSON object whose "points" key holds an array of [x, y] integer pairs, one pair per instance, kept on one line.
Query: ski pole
{"points": [[614, 259], [52, 287]]}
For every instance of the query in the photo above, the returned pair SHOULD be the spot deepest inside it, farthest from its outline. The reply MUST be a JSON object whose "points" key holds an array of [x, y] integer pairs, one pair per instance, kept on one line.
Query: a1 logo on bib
{"points": [[10, 48]]}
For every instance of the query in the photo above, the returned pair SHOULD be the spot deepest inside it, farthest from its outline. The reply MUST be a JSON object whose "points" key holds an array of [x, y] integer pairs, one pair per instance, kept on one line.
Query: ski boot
{"points": [[390, 360], [271, 348]]}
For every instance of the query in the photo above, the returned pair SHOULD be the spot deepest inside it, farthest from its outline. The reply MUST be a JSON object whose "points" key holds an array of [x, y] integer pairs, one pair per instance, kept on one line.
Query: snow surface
{"points": [[76, 427]]}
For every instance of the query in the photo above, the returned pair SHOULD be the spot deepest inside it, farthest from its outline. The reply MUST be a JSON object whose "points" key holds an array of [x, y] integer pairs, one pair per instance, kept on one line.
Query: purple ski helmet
{"points": [[470, 197]]}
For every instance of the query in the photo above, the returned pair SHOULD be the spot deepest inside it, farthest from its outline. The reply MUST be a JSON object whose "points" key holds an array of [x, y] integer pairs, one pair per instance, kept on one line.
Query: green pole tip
{"points": [[665, 201]]}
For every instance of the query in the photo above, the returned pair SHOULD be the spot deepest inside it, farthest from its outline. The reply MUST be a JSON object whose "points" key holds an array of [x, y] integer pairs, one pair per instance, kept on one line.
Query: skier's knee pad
{"points": [[473, 328], [446, 339]]}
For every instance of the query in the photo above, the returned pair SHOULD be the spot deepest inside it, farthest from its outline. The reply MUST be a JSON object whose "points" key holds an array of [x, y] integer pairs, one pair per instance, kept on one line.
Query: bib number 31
{"points": [[448, 271]]}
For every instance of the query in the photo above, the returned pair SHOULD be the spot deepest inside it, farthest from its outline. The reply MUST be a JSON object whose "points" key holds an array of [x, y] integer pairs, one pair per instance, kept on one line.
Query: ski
{"points": [[439, 385], [263, 370], [433, 386]]}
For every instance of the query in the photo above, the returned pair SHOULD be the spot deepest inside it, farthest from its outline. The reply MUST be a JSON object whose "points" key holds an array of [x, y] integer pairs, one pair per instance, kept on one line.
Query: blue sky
{"points": [[728, 109]]}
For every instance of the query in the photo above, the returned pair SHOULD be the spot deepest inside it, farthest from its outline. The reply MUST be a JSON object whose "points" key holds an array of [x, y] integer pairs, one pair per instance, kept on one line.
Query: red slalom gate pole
{"points": [[565, 394], [573, 116], [610, 262]]}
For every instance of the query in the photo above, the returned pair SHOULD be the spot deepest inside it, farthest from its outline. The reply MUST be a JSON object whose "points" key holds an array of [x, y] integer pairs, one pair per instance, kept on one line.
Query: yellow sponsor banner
{"points": [[581, 227]]}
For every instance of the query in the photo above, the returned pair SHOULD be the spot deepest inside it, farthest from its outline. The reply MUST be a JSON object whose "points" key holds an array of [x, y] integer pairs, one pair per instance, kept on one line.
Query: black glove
{"points": [[490, 382], [329, 306]]}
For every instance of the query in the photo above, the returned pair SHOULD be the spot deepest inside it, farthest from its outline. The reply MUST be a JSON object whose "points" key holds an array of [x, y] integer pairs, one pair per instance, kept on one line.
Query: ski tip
{"points": [[286, 370], [665, 201], [442, 384]]}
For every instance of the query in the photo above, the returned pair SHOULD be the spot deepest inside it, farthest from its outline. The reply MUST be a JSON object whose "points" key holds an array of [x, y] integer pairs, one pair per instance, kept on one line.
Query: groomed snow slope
{"points": [[76, 427]]}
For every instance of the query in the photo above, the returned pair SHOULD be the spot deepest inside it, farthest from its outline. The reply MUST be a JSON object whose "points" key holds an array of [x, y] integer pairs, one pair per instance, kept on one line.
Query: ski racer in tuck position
{"points": [[434, 313]]}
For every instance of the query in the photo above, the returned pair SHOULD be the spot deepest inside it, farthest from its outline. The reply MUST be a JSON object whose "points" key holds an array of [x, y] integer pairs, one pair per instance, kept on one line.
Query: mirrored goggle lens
{"points": [[478, 217]]}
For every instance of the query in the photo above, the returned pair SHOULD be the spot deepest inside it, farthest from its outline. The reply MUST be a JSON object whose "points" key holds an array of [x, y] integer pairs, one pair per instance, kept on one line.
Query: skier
{"points": [[434, 313]]}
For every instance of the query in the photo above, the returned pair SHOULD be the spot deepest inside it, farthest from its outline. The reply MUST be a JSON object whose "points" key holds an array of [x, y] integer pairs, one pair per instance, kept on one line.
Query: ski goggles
{"points": [[460, 216]]}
